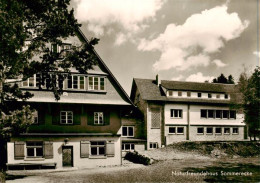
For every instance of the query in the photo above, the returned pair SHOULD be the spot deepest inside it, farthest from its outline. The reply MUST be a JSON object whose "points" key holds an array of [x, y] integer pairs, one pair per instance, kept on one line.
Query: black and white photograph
{"points": [[131, 91]]}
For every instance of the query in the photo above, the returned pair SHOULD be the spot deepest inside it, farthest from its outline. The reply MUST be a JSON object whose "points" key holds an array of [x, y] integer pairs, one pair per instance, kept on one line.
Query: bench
{"points": [[30, 166]]}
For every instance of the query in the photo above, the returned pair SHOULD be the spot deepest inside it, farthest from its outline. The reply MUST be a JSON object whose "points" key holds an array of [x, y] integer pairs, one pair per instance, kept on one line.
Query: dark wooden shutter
{"points": [[77, 115], [110, 149], [106, 118], [84, 149], [48, 150], [18, 150], [90, 117]]}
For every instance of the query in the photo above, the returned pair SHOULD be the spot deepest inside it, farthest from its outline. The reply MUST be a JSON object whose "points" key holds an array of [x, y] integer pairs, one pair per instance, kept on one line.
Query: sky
{"points": [[185, 40]]}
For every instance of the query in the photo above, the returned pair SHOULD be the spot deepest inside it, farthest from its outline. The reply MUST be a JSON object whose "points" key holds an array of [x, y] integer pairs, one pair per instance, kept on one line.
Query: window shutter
{"points": [[106, 118], [18, 150], [110, 149], [90, 118], [155, 118], [48, 150], [84, 149], [76, 116]]}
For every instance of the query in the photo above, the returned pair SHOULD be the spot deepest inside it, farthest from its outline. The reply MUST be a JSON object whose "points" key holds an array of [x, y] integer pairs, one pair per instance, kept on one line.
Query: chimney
{"points": [[158, 81]]}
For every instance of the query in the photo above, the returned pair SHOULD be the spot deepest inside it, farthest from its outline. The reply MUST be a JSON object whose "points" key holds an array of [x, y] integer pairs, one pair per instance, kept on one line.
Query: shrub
{"points": [[137, 158]]}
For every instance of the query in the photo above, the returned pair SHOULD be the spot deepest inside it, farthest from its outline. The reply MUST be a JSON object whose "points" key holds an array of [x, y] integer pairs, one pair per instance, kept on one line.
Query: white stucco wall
{"points": [[169, 120], [77, 160]]}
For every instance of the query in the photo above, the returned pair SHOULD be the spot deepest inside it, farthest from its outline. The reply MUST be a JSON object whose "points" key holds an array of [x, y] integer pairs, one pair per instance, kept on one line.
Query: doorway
{"points": [[67, 156]]}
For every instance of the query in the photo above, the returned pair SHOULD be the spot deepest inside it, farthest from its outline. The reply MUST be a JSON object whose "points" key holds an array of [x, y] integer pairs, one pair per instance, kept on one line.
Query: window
{"points": [[66, 117], [200, 130], [199, 95], [235, 130], [64, 48], [34, 149], [172, 130], [226, 130], [225, 114], [97, 148], [209, 130], [180, 130], [30, 82], [176, 113], [170, 93], [96, 83], [127, 131], [219, 114], [128, 147], [226, 96], [35, 117], [218, 130], [153, 145], [76, 82], [209, 95], [188, 94], [217, 95], [98, 118], [179, 93], [203, 113], [233, 114], [156, 118], [210, 113]]}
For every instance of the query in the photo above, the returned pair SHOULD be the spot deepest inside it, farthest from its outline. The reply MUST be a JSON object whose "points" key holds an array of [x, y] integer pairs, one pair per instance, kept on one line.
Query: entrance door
{"points": [[67, 156]]}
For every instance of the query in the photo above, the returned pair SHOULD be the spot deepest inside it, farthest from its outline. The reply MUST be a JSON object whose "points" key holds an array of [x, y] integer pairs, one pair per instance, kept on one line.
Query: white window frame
{"points": [[179, 128], [78, 82], [130, 145], [225, 132], [92, 87], [220, 130], [34, 147], [28, 82], [127, 127], [98, 146], [98, 121], [237, 130], [179, 111], [202, 131], [66, 117], [154, 145], [199, 93], [211, 130], [174, 130]]}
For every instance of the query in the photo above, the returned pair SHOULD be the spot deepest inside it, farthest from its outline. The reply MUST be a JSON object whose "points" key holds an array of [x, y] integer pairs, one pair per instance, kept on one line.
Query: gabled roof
{"points": [[151, 92], [82, 37]]}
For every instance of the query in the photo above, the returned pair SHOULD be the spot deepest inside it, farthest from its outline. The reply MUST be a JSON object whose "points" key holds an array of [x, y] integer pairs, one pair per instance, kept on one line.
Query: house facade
{"points": [[83, 128], [188, 111]]}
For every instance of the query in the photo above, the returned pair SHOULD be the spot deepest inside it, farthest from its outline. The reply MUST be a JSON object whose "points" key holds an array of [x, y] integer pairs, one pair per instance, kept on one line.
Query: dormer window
{"points": [[188, 94], [226, 96], [96, 83], [179, 93], [30, 82], [170, 93], [209, 95], [62, 49], [199, 95], [217, 95], [76, 82]]}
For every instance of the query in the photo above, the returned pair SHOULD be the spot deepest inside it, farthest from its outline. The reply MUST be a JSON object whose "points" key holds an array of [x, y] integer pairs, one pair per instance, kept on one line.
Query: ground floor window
{"points": [[209, 130], [218, 130], [226, 130], [200, 130], [153, 145], [172, 130], [180, 130], [235, 130], [97, 148], [128, 147], [34, 149]]}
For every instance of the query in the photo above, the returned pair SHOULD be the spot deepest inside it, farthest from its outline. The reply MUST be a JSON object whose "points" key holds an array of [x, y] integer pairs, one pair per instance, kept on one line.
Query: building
{"points": [[187, 111], [83, 128]]}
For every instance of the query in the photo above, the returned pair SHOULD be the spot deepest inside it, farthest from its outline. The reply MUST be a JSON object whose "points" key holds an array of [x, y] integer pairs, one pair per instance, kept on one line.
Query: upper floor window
{"points": [[30, 82], [179, 93], [232, 114], [176, 113], [63, 49], [199, 95], [218, 114], [66, 117], [35, 117], [76, 82], [34, 149], [96, 83], [98, 118], [127, 131]]}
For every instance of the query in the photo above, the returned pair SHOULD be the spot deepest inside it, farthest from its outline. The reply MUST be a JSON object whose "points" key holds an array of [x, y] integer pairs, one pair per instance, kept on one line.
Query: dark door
{"points": [[67, 156]]}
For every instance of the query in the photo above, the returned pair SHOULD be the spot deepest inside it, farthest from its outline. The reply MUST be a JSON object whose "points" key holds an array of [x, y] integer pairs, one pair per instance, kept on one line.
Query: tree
{"points": [[250, 89], [222, 79], [27, 28]]}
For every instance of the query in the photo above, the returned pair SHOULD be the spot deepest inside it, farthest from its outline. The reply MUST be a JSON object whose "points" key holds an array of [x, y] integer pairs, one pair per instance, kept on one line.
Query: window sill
{"points": [[226, 133], [128, 136], [33, 159], [200, 133], [97, 157], [209, 133], [235, 134], [218, 133], [172, 133], [180, 133]]}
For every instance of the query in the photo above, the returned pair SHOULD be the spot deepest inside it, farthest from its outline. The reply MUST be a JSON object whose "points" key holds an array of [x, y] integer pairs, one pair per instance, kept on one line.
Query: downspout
{"points": [[188, 126]]}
